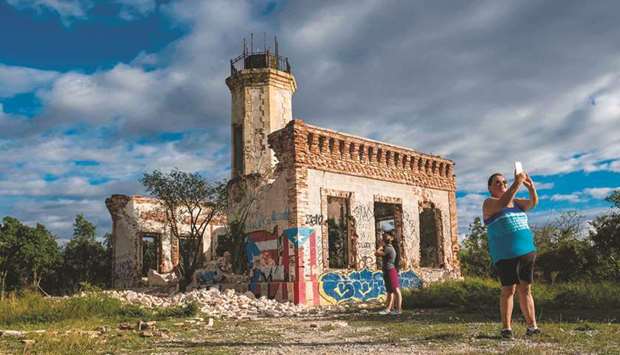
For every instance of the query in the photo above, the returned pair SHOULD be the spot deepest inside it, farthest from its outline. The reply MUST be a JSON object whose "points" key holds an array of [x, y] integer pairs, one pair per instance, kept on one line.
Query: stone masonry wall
{"points": [[261, 104], [428, 176], [136, 216], [363, 193]]}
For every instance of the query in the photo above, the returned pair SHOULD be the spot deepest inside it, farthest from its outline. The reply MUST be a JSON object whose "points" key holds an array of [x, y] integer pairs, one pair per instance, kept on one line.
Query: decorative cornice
{"points": [[302, 145]]}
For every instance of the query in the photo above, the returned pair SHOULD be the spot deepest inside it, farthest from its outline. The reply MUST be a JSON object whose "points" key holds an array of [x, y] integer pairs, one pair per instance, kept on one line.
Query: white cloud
{"points": [[68, 10], [16, 80], [545, 186], [600, 192], [583, 195], [472, 89], [72, 10], [574, 197], [469, 207], [133, 9]]}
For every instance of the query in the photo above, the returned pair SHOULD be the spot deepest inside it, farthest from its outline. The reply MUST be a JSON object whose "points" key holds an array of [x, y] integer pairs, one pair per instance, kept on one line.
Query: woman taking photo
{"points": [[511, 245], [390, 276]]}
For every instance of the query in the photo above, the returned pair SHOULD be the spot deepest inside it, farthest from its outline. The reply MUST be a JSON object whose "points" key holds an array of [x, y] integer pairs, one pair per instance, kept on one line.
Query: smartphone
{"points": [[518, 168]]}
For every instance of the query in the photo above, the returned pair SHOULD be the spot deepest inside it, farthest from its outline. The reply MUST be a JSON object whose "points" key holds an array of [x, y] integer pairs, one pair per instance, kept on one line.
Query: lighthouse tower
{"points": [[262, 87]]}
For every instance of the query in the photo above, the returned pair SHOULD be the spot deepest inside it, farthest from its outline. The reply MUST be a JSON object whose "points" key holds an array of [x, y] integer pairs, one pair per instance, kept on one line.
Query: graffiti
{"points": [[365, 245], [364, 213], [314, 219], [366, 262], [409, 279], [363, 285], [409, 221], [262, 221]]}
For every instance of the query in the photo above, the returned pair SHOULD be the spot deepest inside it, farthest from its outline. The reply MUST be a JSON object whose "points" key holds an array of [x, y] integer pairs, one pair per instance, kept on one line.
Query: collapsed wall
{"points": [[142, 239]]}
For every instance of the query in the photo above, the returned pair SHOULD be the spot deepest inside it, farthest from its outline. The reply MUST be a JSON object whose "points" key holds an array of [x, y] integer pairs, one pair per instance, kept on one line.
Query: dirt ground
{"points": [[353, 332]]}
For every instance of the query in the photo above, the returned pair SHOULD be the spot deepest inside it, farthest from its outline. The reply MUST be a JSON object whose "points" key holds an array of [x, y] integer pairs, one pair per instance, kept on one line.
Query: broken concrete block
{"points": [[157, 279]]}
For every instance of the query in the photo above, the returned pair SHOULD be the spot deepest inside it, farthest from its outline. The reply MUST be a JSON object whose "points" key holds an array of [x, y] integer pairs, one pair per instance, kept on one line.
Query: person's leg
{"points": [[507, 271], [506, 304], [526, 300], [389, 301], [526, 303], [399, 300]]}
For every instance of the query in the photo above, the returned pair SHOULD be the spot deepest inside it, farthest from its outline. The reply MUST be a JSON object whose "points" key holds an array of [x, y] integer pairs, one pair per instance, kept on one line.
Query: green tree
{"points": [[26, 255], [190, 202], [605, 237], [9, 247], [40, 254], [564, 252], [474, 255], [85, 258], [614, 198]]}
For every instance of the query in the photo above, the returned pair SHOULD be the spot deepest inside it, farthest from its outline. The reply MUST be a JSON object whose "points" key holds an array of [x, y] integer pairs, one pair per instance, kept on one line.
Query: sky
{"points": [[95, 93]]}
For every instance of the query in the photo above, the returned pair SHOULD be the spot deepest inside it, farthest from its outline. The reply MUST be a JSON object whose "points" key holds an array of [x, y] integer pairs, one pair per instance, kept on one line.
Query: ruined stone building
{"points": [[324, 198], [142, 239]]}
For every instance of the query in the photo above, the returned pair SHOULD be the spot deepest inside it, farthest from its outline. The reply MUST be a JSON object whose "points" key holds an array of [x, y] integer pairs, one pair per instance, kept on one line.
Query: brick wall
{"points": [[327, 150]]}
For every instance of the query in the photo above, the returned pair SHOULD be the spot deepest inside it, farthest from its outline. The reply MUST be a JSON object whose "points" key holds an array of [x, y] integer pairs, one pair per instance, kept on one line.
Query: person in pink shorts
{"points": [[390, 276]]}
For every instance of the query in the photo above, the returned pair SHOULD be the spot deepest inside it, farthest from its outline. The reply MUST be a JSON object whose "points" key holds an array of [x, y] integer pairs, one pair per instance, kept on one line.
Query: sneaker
{"points": [[507, 334], [532, 331], [385, 312], [396, 313]]}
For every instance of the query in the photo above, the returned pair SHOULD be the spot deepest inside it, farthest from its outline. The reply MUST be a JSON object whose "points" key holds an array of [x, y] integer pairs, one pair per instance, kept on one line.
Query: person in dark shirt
{"points": [[390, 276]]}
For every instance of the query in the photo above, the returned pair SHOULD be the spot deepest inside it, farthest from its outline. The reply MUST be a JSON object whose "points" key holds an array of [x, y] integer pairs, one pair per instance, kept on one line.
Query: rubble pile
{"points": [[212, 302]]}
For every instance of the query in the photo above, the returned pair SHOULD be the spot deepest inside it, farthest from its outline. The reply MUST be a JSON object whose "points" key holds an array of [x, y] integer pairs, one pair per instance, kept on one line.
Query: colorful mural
{"points": [[264, 255], [409, 279], [299, 236], [360, 286], [282, 264]]}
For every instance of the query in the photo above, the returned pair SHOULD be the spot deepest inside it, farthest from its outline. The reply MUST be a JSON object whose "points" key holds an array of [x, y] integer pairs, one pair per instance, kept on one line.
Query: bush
{"points": [[478, 294], [475, 293]]}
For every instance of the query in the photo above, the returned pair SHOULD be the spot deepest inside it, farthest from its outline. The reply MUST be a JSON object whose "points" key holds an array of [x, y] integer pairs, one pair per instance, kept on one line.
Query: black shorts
{"points": [[515, 270]]}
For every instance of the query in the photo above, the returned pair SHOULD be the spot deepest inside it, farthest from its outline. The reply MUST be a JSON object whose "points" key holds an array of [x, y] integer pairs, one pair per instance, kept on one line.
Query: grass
{"points": [[447, 329], [32, 309], [482, 295], [451, 317]]}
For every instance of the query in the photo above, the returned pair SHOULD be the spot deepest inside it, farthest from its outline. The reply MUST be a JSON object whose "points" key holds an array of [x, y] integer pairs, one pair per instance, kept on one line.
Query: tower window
{"points": [[238, 149]]}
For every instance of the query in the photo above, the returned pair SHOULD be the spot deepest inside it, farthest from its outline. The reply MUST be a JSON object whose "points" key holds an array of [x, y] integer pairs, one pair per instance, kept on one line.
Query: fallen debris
{"points": [[212, 302]]}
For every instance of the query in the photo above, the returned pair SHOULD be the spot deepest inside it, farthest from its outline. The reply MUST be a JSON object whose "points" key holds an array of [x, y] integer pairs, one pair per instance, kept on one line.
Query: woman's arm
{"points": [[492, 206], [527, 204]]}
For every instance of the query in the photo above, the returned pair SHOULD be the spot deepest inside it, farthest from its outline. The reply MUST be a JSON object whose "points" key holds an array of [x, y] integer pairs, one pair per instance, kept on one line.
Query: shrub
{"points": [[477, 294]]}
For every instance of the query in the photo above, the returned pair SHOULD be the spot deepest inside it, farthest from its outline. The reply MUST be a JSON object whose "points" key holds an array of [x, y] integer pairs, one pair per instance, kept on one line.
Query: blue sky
{"points": [[94, 93]]}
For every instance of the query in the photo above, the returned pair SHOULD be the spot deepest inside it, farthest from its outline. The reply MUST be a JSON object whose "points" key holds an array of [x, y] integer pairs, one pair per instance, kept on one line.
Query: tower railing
{"points": [[257, 60], [251, 59]]}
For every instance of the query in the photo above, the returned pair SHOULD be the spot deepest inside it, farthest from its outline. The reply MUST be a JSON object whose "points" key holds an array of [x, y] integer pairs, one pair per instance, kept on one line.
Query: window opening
{"points": [[238, 149], [388, 218], [150, 253], [337, 232], [431, 248]]}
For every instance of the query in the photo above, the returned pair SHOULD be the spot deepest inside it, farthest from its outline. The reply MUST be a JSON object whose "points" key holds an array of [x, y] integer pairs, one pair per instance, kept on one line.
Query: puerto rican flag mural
{"points": [[284, 266]]}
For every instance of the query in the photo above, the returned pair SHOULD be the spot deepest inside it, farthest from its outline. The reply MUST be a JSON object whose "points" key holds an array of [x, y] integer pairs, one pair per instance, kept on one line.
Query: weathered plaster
{"points": [[136, 216]]}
